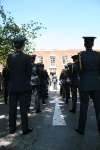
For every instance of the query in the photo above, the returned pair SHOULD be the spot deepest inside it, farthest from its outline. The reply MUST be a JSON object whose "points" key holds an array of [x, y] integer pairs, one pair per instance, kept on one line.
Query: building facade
{"points": [[54, 60]]}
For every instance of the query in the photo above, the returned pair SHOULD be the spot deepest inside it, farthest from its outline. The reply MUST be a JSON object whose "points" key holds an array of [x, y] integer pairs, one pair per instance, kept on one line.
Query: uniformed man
{"points": [[19, 73], [74, 83], [43, 77], [33, 57], [46, 82], [89, 67], [5, 84], [35, 82], [65, 83], [61, 84]]}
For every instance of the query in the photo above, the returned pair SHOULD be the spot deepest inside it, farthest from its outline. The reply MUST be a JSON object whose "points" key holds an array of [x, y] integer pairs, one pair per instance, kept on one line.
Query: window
{"points": [[64, 59], [52, 60], [52, 70], [40, 59]]}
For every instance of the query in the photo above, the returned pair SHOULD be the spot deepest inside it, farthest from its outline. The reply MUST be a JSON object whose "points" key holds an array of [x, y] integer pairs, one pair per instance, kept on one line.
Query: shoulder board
{"points": [[81, 52]]}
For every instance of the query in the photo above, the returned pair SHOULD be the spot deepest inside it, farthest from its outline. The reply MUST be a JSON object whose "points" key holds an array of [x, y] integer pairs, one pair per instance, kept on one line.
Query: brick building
{"points": [[54, 60]]}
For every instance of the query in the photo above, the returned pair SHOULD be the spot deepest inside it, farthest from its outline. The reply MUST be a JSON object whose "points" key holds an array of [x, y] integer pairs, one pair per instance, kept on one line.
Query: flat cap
{"points": [[88, 39]]}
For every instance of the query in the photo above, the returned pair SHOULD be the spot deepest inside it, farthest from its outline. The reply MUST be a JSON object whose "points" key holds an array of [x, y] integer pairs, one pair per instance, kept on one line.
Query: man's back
{"points": [[19, 71], [90, 71]]}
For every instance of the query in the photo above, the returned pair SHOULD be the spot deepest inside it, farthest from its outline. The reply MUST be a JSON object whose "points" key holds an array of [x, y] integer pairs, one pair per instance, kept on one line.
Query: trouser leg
{"points": [[61, 90], [96, 101], [74, 98], [46, 90], [23, 100], [5, 94], [84, 101], [42, 94], [0, 86], [37, 101], [12, 111], [29, 100], [67, 92]]}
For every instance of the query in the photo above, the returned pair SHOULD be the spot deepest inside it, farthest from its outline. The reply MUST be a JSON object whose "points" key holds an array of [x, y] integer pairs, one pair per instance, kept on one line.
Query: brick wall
{"points": [[58, 58]]}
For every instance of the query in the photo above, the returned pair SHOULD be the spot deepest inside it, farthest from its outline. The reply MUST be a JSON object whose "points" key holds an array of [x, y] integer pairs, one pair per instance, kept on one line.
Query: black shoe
{"points": [[27, 132], [43, 102], [12, 131], [79, 132], [6, 103], [38, 111], [72, 111], [66, 102], [28, 110], [99, 131]]}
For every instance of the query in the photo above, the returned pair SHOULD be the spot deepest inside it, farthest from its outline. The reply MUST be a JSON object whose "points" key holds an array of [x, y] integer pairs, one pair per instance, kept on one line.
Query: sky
{"points": [[67, 21]]}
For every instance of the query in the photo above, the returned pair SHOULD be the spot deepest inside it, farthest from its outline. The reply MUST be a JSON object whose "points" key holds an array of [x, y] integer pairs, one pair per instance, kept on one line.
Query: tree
{"points": [[9, 29]]}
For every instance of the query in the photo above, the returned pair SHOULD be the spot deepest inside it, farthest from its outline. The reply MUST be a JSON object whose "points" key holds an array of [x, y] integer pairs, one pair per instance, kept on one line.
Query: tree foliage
{"points": [[9, 29]]}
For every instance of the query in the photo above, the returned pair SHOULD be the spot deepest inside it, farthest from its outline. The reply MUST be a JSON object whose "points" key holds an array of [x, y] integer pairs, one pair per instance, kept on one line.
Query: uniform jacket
{"points": [[65, 78], [89, 65], [19, 72], [73, 74]]}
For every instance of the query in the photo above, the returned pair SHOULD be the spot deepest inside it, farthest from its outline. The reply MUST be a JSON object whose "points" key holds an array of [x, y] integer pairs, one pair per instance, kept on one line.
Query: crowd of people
{"points": [[22, 77]]}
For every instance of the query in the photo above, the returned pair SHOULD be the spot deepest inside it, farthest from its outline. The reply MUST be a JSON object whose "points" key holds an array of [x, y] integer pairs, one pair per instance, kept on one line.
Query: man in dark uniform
{"points": [[60, 83], [74, 83], [19, 74], [89, 67], [65, 81], [46, 82], [5, 84], [43, 77]]}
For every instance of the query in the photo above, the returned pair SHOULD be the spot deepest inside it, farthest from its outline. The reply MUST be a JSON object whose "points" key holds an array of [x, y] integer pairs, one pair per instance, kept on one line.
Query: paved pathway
{"points": [[53, 129]]}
